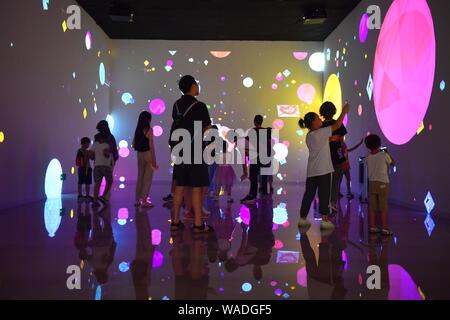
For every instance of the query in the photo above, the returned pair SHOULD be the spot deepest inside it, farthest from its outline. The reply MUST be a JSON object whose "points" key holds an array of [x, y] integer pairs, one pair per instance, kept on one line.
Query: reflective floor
{"points": [[255, 253]]}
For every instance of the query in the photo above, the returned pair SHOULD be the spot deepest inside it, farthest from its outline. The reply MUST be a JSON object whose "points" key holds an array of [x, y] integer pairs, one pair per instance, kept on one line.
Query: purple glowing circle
{"points": [[274, 226], [156, 237], [363, 28], [122, 214], [306, 92], [404, 69], [278, 244], [124, 152], [158, 259], [274, 86], [157, 107], [244, 214], [169, 63], [273, 283], [278, 124], [302, 277], [157, 131], [223, 78], [278, 292], [279, 77]]}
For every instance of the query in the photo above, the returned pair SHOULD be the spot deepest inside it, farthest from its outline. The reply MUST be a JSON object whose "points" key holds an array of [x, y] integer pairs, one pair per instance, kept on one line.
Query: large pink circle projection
{"points": [[404, 68], [157, 106]]}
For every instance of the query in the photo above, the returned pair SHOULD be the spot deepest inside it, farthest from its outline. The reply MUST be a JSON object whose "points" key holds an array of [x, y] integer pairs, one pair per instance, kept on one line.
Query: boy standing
{"points": [[84, 169]]}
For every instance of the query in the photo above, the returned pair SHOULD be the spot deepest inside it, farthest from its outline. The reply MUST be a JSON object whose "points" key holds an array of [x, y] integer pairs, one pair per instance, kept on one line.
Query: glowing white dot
{"points": [[122, 179], [317, 61], [123, 144], [248, 82]]}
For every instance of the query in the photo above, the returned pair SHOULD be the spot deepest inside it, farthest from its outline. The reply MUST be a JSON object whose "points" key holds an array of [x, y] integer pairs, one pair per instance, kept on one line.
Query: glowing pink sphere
{"points": [[124, 152], [122, 214], [278, 124], [244, 214], [156, 237], [157, 107], [278, 244], [360, 110], [169, 63], [158, 259], [306, 92], [403, 75], [274, 86], [363, 28], [300, 55], [157, 131]]}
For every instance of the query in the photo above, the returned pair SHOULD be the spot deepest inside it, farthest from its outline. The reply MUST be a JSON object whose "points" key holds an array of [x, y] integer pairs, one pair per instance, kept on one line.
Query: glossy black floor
{"points": [[255, 253]]}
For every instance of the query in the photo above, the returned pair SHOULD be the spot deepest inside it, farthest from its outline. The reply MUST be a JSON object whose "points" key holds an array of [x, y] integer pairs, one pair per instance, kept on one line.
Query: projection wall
{"points": [[395, 79], [51, 95], [238, 80]]}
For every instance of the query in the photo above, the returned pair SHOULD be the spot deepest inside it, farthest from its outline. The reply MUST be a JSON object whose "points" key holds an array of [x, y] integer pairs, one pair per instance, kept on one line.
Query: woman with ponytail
{"points": [[320, 167]]}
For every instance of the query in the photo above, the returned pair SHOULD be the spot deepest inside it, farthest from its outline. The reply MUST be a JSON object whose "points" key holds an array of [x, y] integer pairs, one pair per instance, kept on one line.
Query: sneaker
{"points": [[303, 223], [249, 200], [387, 232], [326, 225], [168, 198], [147, 204]]}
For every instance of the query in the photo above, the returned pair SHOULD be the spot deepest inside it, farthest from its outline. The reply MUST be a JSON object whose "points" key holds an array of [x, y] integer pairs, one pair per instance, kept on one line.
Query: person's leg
{"points": [[98, 181], [254, 172], [324, 195], [384, 204], [348, 178], [373, 204], [88, 190], [109, 182], [140, 177], [88, 182], [263, 184], [147, 179], [80, 190], [177, 200], [308, 196], [197, 197], [337, 176]]}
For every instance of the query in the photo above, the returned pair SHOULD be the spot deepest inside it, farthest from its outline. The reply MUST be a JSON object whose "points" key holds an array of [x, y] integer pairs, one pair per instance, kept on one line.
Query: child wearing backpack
{"points": [[84, 169]]}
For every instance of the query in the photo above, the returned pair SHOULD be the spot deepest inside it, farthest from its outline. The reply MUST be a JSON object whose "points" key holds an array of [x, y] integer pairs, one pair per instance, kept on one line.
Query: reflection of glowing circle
{"points": [[278, 124], [88, 40], [317, 61], [360, 110], [102, 74], [300, 55], [158, 259], [363, 28], [280, 215], [333, 93], [279, 77], [302, 277], [53, 182], [281, 151], [157, 131], [122, 179], [404, 69], [244, 214], [52, 215], [248, 82], [220, 54], [123, 144], [122, 214], [401, 284], [124, 266], [124, 152], [306, 92], [157, 106]]}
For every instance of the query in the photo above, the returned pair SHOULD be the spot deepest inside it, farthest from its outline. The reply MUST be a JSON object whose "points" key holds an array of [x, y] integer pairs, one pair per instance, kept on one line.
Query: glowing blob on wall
{"points": [[127, 98], [306, 92], [111, 122], [53, 181], [333, 93], [123, 144], [317, 61], [248, 82], [88, 40], [102, 74], [157, 131], [157, 106], [52, 215], [156, 237], [363, 28], [220, 54], [300, 55], [278, 124], [281, 151], [404, 69], [2, 137]]}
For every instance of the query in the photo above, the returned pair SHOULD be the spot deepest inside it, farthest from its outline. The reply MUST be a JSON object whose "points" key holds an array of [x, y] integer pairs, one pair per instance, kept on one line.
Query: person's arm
{"points": [[152, 148], [340, 120], [356, 147], [393, 163]]}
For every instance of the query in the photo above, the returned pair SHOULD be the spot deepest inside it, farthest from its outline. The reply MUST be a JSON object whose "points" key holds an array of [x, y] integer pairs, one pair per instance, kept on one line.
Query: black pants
{"points": [[323, 183], [255, 171]]}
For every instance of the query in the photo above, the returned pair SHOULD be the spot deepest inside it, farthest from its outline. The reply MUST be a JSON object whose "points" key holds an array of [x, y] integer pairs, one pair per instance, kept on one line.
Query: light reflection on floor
{"points": [[256, 252]]}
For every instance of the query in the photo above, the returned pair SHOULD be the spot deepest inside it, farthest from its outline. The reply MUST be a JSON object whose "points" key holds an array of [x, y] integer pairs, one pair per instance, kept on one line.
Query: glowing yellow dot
{"points": [[344, 50], [293, 82], [422, 126], [85, 113], [72, 214], [2, 137], [73, 170], [153, 69], [109, 51], [64, 26], [146, 63], [220, 119], [82, 264], [98, 54], [171, 241], [365, 56]]}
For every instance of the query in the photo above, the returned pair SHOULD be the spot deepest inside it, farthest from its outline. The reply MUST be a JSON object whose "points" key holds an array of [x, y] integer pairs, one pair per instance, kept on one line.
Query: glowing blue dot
{"points": [[122, 222], [246, 287], [111, 122], [124, 266], [98, 293], [442, 85], [102, 74], [127, 98]]}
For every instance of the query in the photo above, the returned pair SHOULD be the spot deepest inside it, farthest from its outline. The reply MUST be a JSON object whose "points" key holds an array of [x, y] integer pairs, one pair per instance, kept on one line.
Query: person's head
{"points": [[85, 143], [258, 121], [189, 86], [311, 121], [328, 110], [373, 142], [103, 128]]}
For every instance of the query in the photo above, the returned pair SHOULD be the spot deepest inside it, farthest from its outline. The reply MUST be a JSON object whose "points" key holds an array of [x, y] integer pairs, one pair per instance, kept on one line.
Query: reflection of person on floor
{"points": [[324, 277], [224, 225], [190, 264], [103, 244], [84, 226], [378, 257], [141, 266]]}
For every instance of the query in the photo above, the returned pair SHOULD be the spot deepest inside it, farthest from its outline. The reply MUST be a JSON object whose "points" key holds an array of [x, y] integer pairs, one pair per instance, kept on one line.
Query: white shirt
{"points": [[319, 160], [100, 159], [378, 166]]}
